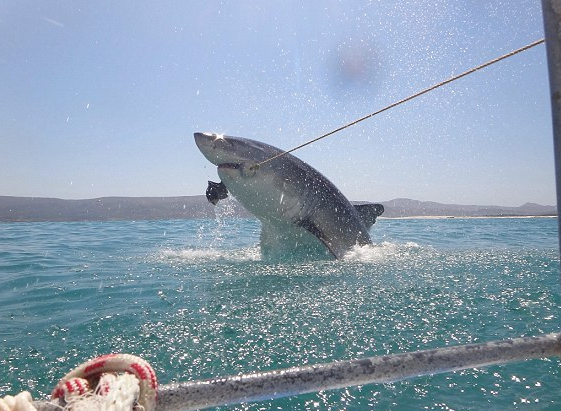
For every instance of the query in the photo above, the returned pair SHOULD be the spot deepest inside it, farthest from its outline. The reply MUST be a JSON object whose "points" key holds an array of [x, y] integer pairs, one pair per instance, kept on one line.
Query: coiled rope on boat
{"points": [[136, 384], [113, 382]]}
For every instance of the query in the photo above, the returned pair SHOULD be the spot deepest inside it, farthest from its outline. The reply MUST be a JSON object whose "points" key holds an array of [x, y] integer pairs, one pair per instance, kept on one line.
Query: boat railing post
{"points": [[551, 10]]}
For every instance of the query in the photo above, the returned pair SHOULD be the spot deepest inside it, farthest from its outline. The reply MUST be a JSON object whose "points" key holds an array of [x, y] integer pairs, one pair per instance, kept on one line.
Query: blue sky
{"points": [[102, 98]]}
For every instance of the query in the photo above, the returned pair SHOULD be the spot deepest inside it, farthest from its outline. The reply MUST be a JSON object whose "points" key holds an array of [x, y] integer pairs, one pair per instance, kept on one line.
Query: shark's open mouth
{"points": [[246, 168], [234, 166]]}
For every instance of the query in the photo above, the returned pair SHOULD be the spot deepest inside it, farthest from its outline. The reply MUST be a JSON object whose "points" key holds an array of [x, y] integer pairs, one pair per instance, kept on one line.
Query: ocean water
{"points": [[194, 298]]}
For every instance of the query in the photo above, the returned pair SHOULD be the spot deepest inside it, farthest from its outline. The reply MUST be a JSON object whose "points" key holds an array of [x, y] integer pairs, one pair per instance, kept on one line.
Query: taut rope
{"points": [[406, 99]]}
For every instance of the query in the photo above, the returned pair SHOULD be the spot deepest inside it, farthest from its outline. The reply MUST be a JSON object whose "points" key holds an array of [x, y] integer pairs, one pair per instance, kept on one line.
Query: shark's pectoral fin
{"points": [[313, 229], [368, 213], [216, 192]]}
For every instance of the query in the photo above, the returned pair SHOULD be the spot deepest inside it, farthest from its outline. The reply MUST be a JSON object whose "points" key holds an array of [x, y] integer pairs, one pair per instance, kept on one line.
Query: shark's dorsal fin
{"points": [[368, 213]]}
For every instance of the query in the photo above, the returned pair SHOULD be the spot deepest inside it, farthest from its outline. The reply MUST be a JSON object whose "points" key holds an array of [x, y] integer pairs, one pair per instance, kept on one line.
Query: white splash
{"points": [[373, 253]]}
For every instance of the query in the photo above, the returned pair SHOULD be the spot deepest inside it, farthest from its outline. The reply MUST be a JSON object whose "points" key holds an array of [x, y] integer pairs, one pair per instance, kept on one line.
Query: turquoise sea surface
{"points": [[194, 298]]}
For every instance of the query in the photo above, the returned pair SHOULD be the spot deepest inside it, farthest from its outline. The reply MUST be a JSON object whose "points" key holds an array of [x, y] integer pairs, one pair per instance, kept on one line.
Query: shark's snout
{"points": [[213, 146], [206, 141]]}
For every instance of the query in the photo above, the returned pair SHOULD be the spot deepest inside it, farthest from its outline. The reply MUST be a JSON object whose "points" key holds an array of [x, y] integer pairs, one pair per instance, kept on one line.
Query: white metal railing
{"points": [[389, 368], [258, 386]]}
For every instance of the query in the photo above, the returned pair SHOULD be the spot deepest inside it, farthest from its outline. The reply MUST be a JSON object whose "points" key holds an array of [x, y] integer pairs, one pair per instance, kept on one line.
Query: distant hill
{"points": [[109, 208], [404, 207], [190, 207]]}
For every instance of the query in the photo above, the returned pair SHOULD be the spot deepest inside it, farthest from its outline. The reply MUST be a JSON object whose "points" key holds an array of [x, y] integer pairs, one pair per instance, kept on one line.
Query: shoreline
{"points": [[436, 217], [254, 218], [25, 209]]}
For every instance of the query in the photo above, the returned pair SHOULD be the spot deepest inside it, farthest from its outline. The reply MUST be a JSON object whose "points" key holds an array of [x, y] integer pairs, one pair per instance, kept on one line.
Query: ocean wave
{"points": [[198, 255]]}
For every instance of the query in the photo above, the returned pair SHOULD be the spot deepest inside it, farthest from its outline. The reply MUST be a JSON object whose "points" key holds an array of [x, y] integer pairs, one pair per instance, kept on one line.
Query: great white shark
{"points": [[299, 208]]}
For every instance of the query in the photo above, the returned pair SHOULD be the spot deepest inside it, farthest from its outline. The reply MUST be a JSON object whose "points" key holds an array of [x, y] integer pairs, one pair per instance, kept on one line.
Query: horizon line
{"points": [[203, 195]]}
